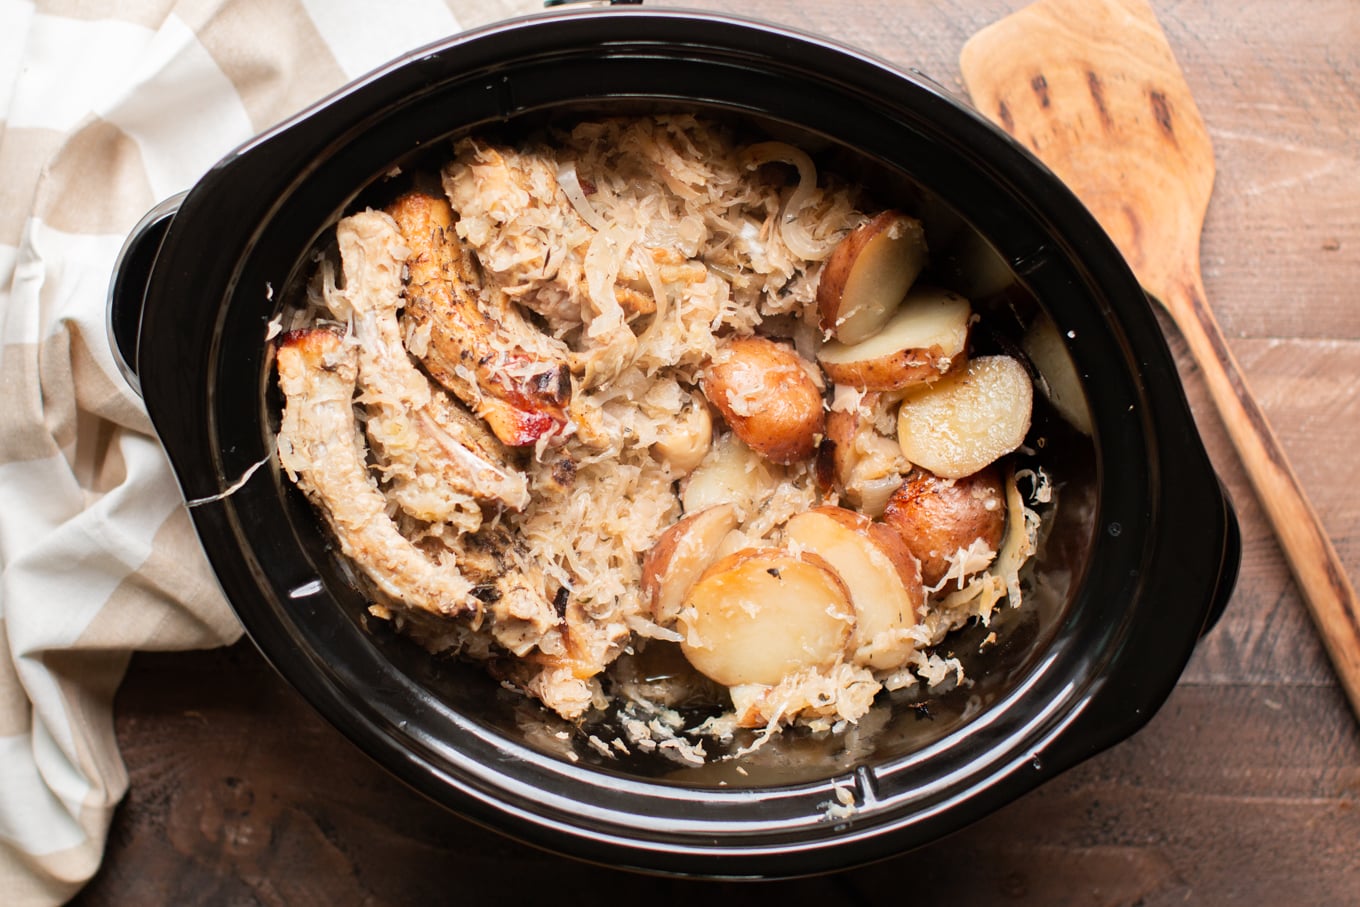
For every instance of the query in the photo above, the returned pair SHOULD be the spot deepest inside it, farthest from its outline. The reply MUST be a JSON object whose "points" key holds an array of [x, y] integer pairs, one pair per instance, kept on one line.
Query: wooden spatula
{"points": [[1092, 88]]}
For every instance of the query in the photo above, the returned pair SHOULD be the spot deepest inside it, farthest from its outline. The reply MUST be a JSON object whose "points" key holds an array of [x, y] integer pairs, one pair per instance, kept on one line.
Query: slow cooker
{"points": [[1139, 560]]}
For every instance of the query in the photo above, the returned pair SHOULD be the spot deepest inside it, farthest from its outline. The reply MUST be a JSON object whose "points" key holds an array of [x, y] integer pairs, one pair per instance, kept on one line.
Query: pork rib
{"points": [[322, 449], [496, 365], [435, 455]]}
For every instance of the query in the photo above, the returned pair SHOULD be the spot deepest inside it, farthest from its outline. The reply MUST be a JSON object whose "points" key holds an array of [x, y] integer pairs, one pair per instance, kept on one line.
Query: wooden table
{"points": [[1244, 789]]}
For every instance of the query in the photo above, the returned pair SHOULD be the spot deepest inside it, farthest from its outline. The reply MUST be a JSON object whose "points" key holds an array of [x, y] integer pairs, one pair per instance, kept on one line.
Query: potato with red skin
{"points": [[868, 274], [880, 572], [765, 391], [936, 517], [681, 555], [926, 337], [837, 454], [761, 614], [864, 466]]}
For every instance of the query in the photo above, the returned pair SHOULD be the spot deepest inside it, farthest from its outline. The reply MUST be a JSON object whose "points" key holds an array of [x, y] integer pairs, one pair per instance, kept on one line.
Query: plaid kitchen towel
{"points": [[107, 107]]}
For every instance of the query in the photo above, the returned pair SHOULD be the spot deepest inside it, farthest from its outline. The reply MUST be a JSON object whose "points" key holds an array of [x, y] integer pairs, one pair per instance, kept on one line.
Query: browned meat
{"points": [[438, 459], [493, 364]]}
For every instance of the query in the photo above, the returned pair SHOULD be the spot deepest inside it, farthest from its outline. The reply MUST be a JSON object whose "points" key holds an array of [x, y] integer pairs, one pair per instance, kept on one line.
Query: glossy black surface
{"points": [[1145, 553]]}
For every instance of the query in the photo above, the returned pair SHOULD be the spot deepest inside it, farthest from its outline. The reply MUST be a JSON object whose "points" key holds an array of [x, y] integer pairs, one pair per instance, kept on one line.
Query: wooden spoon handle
{"points": [[1317, 569]]}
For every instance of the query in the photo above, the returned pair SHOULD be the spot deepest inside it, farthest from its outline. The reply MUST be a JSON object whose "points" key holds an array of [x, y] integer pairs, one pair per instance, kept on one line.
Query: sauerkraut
{"points": [[497, 401]]}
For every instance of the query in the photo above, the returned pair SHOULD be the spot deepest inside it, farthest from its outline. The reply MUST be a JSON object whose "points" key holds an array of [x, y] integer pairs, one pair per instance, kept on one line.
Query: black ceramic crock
{"points": [[1141, 556]]}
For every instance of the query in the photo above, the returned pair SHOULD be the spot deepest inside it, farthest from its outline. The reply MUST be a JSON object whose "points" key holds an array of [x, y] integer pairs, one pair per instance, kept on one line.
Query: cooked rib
{"points": [[438, 459], [488, 356], [321, 447]]}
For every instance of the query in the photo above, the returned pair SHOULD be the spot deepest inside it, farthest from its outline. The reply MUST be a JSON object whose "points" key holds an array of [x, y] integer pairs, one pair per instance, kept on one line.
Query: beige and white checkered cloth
{"points": [[106, 108]]}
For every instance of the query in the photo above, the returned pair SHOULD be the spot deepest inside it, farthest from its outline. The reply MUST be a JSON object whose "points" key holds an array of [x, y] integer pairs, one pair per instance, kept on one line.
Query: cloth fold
{"points": [[105, 109]]}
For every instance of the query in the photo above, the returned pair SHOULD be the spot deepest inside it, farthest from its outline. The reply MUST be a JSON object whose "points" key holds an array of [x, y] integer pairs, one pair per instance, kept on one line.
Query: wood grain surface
{"points": [[1243, 789], [1092, 87]]}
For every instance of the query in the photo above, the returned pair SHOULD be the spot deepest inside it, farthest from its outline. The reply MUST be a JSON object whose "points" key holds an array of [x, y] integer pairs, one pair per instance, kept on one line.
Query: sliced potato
{"points": [[680, 556], [868, 274], [877, 568], [761, 614], [938, 518], [730, 473], [765, 391], [968, 418], [923, 340], [1058, 376], [734, 541], [842, 431]]}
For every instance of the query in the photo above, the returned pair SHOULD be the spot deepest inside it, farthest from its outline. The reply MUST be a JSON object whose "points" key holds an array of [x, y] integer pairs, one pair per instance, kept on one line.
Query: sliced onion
{"points": [[571, 187], [1003, 578], [792, 230], [653, 274], [602, 262]]}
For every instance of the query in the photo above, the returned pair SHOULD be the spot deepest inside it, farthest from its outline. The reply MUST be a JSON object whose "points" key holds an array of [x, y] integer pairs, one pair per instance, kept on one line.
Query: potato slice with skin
{"points": [[937, 518], [765, 392], [925, 338], [761, 614], [868, 274], [881, 573], [838, 455], [967, 419], [681, 555]]}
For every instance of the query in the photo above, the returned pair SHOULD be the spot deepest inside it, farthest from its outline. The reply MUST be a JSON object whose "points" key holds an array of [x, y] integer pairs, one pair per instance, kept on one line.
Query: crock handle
{"points": [[127, 289]]}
